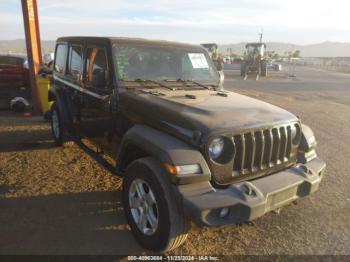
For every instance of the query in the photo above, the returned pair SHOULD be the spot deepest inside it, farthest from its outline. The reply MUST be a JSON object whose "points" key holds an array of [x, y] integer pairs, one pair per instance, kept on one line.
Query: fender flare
{"points": [[307, 141], [307, 145], [163, 147]]}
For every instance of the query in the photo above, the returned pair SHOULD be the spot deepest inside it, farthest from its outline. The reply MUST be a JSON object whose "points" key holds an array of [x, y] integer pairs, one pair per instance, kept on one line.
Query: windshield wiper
{"points": [[155, 82], [139, 80], [209, 87]]}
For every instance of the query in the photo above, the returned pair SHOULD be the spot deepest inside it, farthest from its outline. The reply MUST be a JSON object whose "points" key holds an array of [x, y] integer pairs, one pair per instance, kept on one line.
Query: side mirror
{"points": [[221, 80], [99, 78]]}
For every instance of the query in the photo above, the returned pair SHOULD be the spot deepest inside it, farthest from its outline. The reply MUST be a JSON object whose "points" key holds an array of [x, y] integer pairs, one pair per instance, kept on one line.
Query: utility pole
{"points": [[33, 44]]}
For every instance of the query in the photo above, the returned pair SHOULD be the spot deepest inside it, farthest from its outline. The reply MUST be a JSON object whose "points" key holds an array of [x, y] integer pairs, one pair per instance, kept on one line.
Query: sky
{"points": [[192, 21]]}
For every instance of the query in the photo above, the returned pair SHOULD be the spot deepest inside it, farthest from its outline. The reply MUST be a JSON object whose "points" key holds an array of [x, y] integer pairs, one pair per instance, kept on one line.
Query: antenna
{"points": [[261, 36]]}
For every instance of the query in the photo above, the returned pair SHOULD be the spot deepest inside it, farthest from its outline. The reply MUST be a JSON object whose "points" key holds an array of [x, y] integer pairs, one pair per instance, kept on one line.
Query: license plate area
{"points": [[278, 199]]}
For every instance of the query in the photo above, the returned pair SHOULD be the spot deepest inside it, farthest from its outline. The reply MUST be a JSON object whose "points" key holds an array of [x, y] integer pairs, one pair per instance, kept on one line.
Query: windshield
{"points": [[256, 49], [164, 63], [9, 60]]}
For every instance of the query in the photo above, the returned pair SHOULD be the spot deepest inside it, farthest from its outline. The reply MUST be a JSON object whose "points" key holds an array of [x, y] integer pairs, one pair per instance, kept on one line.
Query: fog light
{"points": [[223, 212]]}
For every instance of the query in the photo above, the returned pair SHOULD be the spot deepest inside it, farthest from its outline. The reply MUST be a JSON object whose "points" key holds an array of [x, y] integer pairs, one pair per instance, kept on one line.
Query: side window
{"points": [[97, 68], [60, 58], [186, 64], [75, 61]]}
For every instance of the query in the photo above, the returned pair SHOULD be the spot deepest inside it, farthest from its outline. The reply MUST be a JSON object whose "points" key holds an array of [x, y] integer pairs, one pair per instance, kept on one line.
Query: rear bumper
{"points": [[249, 200]]}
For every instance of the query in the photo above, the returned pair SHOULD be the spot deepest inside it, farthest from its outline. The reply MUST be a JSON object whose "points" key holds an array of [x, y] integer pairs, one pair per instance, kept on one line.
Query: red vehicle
{"points": [[14, 79], [237, 61]]}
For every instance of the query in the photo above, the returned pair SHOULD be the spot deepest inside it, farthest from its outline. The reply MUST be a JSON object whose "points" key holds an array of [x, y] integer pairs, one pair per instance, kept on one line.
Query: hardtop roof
{"points": [[127, 40]]}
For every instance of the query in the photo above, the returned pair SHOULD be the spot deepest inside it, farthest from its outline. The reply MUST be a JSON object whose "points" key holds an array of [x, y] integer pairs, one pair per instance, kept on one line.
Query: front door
{"points": [[96, 97]]}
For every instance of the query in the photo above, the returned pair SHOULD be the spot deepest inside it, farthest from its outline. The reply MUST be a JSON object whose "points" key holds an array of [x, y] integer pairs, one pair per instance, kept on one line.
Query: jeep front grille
{"points": [[264, 149]]}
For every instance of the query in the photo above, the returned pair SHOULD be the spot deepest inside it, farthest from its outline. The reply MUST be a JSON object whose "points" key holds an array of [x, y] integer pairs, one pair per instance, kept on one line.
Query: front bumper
{"points": [[249, 200]]}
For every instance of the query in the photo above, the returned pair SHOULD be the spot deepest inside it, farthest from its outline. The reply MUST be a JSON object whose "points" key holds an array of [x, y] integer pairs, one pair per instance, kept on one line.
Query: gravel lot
{"points": [[62, 201]]}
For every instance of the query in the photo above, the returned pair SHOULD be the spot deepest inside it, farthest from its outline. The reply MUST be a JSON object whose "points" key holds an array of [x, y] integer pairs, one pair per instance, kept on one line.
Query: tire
{"points": [[263, 69], [164, 209], [243, 69], [19, 107], [47, 115], [57, 127]]}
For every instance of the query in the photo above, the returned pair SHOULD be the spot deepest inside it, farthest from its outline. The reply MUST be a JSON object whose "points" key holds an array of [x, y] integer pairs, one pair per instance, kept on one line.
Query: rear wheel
{"points": [[153, 211], [57, 127]]}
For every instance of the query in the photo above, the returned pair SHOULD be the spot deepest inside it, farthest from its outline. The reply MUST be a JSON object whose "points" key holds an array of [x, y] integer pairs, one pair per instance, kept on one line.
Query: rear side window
{"points": [[75, 61], [60, 59]]}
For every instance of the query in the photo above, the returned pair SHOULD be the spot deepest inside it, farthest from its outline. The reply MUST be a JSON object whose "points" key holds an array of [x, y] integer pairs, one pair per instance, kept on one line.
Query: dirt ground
{"points": [[62, 201]]}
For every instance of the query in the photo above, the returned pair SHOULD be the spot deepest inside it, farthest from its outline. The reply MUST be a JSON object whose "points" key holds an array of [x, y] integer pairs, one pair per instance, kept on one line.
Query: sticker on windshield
{"points": [[198, 60]]}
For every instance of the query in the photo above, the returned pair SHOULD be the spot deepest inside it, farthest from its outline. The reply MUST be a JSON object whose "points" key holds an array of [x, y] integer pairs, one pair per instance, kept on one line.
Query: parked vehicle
{"points": [[254, 60], [14, 79], [186, 150], [273, 66], [237, 61], [212, 50]]}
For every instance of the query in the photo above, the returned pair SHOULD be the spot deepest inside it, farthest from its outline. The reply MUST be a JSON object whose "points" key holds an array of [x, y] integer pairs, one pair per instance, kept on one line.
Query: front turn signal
{"points": [[183, 170]]}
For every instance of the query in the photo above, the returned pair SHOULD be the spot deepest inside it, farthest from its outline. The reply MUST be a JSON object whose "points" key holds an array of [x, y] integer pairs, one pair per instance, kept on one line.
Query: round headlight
{"points": [[216, 147]]}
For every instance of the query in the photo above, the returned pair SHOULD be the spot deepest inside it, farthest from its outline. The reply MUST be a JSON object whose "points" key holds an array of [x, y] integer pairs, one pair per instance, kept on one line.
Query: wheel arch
{"points": [[51, 95], [61, 101], [130, 153], [147, 141], [174, 229]]}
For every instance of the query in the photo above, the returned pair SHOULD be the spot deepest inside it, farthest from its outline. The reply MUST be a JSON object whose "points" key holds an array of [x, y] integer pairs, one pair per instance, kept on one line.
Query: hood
{"points": [[204, 111]]}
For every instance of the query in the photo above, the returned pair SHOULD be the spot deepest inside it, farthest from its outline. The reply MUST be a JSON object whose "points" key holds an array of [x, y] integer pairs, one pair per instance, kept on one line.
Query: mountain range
{"points": [[325, 49], [19, 46]]}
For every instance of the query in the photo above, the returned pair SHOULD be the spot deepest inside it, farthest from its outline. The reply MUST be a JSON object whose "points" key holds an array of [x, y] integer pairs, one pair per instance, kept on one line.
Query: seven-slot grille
{"points": [[263, 149]]}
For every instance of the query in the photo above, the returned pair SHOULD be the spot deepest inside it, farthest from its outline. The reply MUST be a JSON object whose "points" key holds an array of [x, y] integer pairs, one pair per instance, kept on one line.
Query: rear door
{"points": [[68, 70], [74, 76], [60, 65]]}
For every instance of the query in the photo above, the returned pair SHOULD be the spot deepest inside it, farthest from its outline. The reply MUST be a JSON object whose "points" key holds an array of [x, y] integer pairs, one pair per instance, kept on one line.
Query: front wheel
{"points": [[56, 125], [263, 69], [153, 211]]}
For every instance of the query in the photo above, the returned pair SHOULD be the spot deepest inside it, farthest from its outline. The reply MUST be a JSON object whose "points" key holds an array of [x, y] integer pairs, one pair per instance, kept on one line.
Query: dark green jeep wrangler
{"points": [[187, 149]]}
